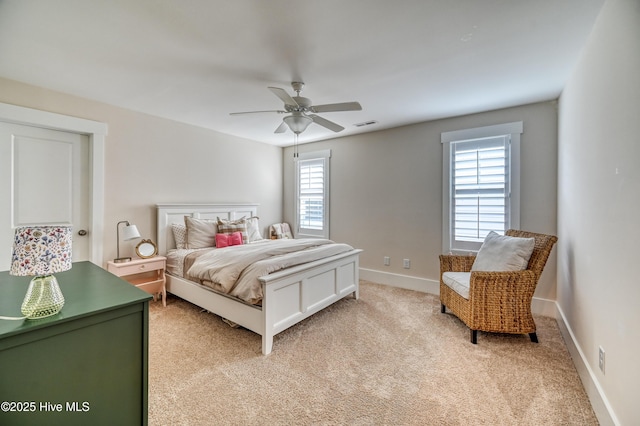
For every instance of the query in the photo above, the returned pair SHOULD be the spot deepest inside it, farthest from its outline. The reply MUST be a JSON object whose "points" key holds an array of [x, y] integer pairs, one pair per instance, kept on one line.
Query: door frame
{"points": [[96, 132]]}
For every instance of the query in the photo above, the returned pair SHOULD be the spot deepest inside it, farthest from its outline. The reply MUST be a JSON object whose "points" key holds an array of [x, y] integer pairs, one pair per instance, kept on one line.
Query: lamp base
{"points": [[43, 299], [122, 260]]}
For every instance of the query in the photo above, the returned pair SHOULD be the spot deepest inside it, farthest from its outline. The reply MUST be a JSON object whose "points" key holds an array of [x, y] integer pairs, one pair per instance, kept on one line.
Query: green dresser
{"points": [[86, 365]]}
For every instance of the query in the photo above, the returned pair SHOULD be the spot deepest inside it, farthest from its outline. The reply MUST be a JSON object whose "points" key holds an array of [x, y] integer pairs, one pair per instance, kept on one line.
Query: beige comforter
{"points": [[235, 270]]}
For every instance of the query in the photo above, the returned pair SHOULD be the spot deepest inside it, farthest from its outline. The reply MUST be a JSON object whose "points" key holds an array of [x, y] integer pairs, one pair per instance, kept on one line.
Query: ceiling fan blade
{"points": [[257, 112], [284, 96], [326, 123], [281, 128], [344, 106]]}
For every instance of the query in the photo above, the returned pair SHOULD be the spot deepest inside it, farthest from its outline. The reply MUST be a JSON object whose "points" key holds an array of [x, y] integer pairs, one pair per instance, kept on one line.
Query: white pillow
{"points": [[253, 229], [503, 253], [179, 234], [201, 233]]}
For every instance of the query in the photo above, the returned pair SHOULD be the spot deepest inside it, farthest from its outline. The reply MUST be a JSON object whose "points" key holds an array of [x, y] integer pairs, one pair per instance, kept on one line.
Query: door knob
{"points": [[82, 232]]}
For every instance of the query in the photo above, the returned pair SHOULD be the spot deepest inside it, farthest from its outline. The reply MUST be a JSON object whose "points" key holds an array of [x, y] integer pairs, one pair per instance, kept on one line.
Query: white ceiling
{"points": [[195, 61]]}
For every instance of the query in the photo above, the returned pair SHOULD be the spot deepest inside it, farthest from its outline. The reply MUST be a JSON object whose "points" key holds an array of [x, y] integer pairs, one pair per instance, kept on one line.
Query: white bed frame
{"points": [[289, 296]]}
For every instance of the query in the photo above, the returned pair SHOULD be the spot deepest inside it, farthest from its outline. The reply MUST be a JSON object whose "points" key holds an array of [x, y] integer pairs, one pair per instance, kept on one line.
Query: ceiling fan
{"points": [[303, 112]]}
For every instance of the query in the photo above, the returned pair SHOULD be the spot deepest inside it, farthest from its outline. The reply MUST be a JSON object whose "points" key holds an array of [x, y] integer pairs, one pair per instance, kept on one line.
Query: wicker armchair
{"points": [[499, 302]]}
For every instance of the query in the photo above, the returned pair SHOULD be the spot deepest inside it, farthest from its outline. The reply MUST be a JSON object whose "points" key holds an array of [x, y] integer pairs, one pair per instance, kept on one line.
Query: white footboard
{"points": [[294, 294]]}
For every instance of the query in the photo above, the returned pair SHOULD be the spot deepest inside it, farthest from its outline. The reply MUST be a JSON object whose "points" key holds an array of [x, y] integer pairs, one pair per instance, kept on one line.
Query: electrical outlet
{"points": [[387, 261], [406, 263], [601, 358]]}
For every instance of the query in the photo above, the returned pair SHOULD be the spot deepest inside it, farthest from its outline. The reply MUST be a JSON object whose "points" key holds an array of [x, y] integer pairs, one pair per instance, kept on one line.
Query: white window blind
{"points": [[480, 174], [312, 194], [312, 191]]}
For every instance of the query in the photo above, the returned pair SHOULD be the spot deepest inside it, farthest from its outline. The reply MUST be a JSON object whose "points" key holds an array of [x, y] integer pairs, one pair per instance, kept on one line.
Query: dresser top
{"points": [[87, 289]]}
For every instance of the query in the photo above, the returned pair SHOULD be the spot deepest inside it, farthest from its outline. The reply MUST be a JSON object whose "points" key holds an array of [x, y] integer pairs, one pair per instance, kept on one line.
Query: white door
{"points": [[44, 180]]}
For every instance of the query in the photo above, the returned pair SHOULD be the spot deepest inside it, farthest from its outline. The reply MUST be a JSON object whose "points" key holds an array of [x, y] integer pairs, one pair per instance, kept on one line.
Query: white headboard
{"points": [[175, 213]]}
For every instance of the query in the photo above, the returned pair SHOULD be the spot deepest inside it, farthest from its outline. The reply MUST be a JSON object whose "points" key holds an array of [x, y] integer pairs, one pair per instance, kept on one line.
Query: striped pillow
{"points": [[230, 226]]}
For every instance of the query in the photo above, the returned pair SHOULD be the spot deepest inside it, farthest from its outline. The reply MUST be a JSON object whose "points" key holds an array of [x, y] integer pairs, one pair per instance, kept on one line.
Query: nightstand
{"points": [[146, 274]]}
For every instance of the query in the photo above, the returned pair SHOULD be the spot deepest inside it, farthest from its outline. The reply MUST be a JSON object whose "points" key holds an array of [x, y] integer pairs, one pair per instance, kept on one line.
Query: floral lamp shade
{"points": [[41, 251]]}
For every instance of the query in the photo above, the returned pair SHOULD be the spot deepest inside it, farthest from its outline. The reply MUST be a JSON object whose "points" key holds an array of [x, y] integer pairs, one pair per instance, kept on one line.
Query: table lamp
{"points": [[129, 232], [41, 251]]}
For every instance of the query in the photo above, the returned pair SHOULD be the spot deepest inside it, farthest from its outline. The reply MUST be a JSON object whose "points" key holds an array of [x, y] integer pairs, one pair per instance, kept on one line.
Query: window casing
{"points": [[312, 194], [481, 185]]}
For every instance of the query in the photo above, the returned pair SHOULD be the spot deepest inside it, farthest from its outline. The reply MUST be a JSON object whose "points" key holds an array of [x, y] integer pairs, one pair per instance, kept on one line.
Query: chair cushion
{"points": [[458, 282], [503, 253]]}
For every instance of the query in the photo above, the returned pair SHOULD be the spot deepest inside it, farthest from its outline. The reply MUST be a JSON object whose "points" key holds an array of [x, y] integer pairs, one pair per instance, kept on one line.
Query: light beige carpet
{"points": [[389, 358]]}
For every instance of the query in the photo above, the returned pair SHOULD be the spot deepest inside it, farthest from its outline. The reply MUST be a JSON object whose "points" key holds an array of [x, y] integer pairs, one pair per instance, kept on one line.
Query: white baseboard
{"points": [[599, 402], [539, 306], [544, 307], [403, 281]]}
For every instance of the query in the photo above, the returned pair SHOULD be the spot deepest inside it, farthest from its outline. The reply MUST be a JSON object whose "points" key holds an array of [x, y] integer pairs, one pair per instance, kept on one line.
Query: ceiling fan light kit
{"points": [[298, 123], [303, 112]]}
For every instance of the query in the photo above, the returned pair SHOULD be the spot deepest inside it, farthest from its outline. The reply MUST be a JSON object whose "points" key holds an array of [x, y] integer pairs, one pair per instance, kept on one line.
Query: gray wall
{"points": [[386, 188], [599, 201]]}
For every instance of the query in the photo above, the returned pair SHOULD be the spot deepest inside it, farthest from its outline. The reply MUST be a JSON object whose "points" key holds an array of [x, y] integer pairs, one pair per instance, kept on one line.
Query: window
{"points": [[312, 194], [481, 191]]}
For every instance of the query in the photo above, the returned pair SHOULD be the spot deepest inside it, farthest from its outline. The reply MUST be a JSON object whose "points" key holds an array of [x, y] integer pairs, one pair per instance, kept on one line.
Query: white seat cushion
{"points": [[458, 282]]}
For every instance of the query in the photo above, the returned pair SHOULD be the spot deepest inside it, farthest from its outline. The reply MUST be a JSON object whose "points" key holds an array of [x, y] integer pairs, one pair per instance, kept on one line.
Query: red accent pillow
{"points": [[226, 240]]}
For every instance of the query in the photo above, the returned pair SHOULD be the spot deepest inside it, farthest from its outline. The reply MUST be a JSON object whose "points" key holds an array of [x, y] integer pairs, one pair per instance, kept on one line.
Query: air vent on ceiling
{"points": [[365, 123]]}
